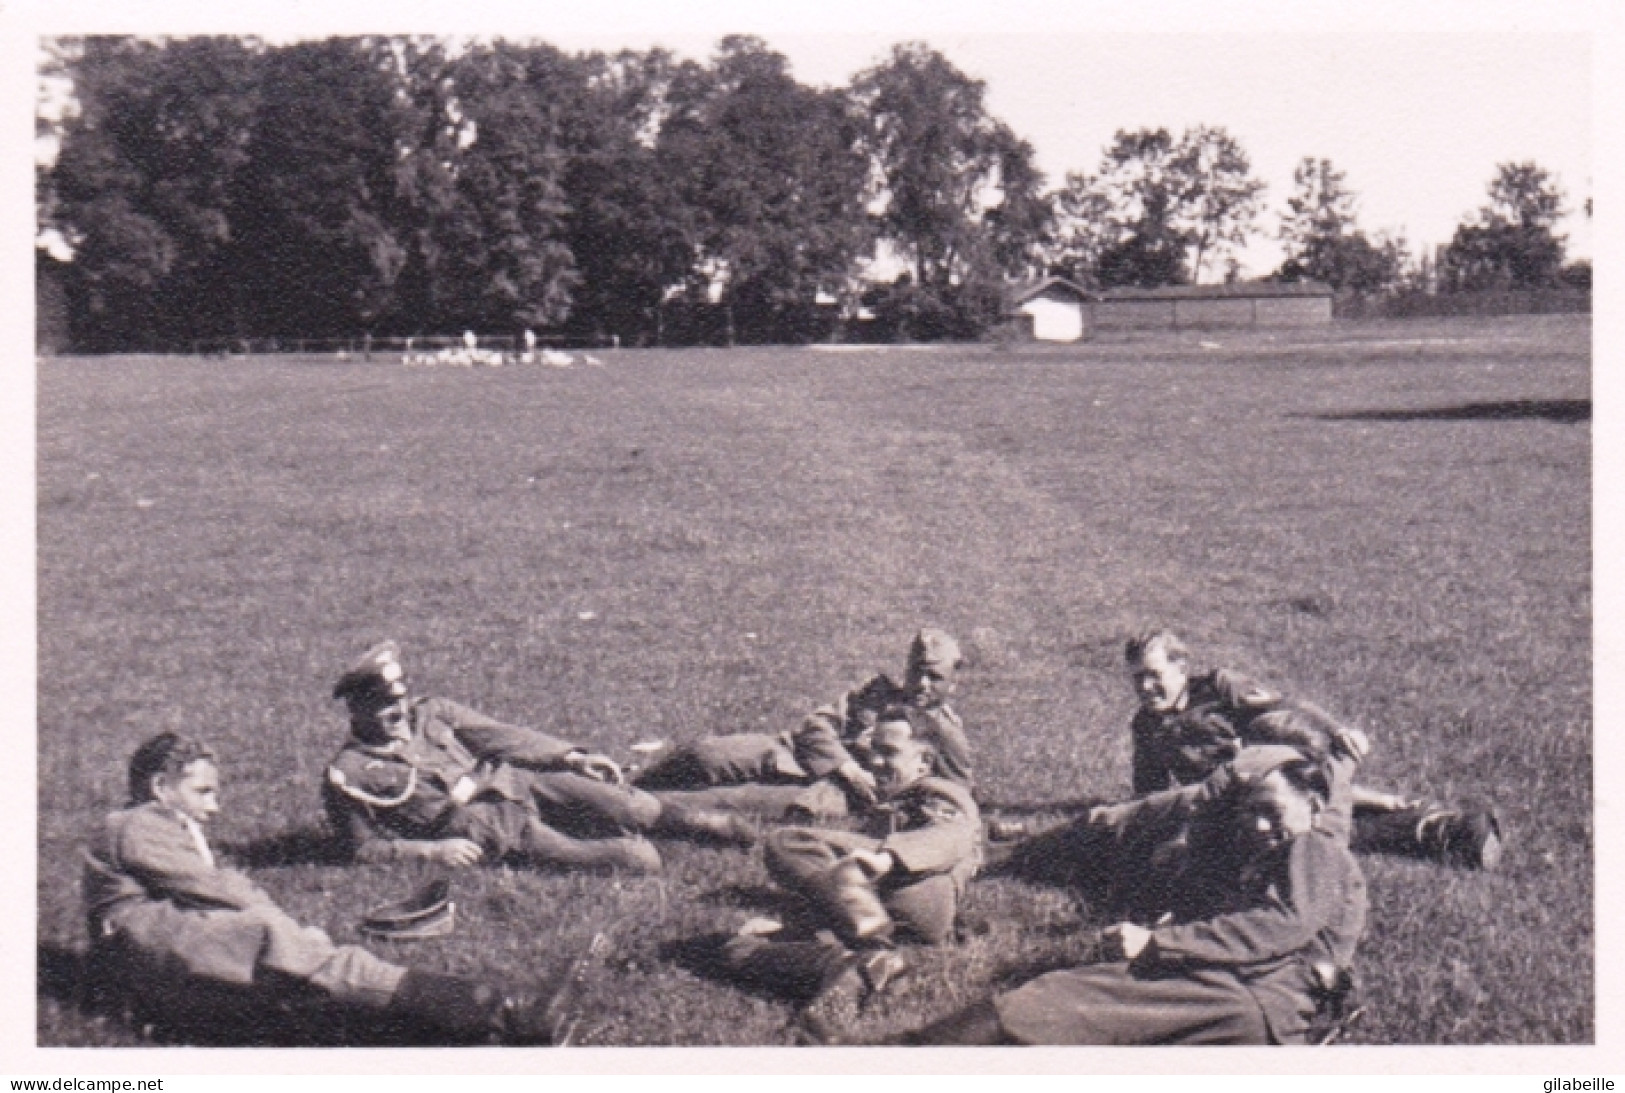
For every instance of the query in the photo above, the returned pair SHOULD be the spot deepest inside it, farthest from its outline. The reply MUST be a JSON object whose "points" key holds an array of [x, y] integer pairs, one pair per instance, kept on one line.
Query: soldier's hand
{"points": [[1353, 742], [874, 863], [858, 780], [457, 852], [1124, 940], [597, 767]]}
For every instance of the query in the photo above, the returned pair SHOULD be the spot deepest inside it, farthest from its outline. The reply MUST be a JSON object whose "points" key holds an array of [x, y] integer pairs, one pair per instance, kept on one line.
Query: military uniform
{"points": [[464, 775], [933, 831], [154, 892], [1250, 944], [1225, 711], [761, 773]]}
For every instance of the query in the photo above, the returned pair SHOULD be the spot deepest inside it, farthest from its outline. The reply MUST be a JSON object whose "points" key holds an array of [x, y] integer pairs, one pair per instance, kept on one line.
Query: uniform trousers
{"points": [[1114, 1004], [234, 947], [798, 858], [725, 761]]}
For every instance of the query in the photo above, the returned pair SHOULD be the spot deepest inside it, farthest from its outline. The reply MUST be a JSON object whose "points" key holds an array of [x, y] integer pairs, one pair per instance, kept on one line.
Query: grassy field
{"points": [[1391, 519]]}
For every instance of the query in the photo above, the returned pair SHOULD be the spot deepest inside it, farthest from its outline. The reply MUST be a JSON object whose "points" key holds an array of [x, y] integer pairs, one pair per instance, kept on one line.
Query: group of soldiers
{"points": [[1230, 862]]}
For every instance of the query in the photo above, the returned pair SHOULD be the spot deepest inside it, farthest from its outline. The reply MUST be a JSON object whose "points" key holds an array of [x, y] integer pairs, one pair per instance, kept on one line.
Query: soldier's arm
{"points": [[1150, 770], [367, 843], [1288, 918], [953, 746], [948, 836], [489, 738], [817, 741], [161, 855]]}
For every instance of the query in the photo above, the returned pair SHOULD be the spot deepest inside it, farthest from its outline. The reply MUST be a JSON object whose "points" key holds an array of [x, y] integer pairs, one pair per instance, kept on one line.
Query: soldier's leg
{"points": [[543, 845], [1110, 1004], [1469, 837], [762, 801], [585, 805], [925, 909], [812, 863], [794, 968], [974, 1026], [722, 761], [348, 973]]}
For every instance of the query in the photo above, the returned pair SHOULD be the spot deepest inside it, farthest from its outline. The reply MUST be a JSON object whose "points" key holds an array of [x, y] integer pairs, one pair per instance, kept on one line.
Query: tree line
{"points": [[220, 188]]}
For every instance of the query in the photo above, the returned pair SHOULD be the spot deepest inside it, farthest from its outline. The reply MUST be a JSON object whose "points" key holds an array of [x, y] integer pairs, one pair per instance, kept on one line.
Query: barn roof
{"points": [[1022, 291], [1239, 290]]}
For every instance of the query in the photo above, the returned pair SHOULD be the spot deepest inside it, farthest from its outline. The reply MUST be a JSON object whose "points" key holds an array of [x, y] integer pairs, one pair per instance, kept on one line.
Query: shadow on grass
{"points": [[1563, 411], [163, 1009]]}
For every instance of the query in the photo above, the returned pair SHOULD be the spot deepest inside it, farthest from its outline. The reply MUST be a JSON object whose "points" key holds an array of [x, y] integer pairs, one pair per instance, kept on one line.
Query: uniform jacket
{"points": [[404, 789], [837, 733], [1267, 919], [930, 826]]}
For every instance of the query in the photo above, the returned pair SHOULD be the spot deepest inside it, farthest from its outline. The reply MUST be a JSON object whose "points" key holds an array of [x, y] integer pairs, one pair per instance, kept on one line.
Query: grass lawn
{"points": [[1393, 520]]}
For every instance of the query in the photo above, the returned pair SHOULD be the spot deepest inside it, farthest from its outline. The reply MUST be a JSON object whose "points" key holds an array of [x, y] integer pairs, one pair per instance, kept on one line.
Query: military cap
{"points": [[377, 673], [429, 912], [934, 648]]}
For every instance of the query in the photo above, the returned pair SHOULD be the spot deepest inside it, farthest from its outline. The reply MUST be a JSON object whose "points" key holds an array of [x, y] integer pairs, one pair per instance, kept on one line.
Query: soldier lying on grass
{"points": [[765, 774], [1259, 908], [896, 874], [427, 778], [1189, 723], [162, 911]]}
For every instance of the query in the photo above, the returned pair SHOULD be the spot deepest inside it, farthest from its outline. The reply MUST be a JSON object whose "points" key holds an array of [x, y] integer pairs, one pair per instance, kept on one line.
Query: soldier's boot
{"points": [[543, 845], [848, 895], [977, 1026], [706, 824], [847, 988], [1469, 837], [472, 1012]]}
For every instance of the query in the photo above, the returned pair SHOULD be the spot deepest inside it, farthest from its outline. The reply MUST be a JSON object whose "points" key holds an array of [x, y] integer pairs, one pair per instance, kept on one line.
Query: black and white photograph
{"points": [[738, 533]]}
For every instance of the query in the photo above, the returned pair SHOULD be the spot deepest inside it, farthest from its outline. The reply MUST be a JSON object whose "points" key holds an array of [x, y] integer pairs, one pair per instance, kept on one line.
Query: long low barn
{"points": [[1244, 304], [1062, 311]]}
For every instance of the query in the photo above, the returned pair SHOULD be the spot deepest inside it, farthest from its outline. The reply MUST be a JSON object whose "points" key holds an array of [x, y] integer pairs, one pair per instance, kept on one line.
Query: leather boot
{"points": [[471, 1012], [706, 824]]}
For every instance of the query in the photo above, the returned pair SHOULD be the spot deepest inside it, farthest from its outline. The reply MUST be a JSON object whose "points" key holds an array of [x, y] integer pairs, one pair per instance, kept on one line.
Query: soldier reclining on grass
{"points": [[1261, 907], [819, 766], [162, 911], [429, 779], [898, 875], [1189, 723]]}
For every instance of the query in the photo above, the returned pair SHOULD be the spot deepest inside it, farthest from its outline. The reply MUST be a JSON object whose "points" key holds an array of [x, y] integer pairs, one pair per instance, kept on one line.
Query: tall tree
{"points": [[629, 228], [1149, 237], [320, 252], [1220, 199], [1323, 241], [149, 153], [1081, 230], [1511, 243], [499, 253], [957, 189], [775, 174]]}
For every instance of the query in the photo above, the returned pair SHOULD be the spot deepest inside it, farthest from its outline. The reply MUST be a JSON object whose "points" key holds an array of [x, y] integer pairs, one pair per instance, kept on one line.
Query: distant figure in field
{"points": [[471, 340], [764, 773], [160, 906], [430, 779], [895, 874], [1189, 723], [1263, 908]]}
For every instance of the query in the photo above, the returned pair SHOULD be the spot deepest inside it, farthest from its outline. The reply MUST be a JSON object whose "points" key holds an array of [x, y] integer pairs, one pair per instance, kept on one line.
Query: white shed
{"points": [[1058, 308]]}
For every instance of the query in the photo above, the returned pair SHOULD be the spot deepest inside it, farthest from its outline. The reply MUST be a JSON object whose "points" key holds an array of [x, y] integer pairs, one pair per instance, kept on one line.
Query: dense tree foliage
{"points": [[1511, 244], [1323, 241], [958, 193], [219, 188]]}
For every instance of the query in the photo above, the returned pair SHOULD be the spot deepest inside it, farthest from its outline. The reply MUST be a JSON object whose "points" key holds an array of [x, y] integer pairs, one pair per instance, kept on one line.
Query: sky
{"points": [[1416, 103]]}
